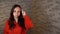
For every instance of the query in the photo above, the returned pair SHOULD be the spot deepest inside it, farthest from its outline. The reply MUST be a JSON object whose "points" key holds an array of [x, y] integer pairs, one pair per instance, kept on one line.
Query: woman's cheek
{"points": [[14, 14], [18, 14]]}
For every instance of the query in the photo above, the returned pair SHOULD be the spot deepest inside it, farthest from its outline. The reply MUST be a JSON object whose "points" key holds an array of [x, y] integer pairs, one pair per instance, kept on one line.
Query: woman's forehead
{"points": [[17, 9]]}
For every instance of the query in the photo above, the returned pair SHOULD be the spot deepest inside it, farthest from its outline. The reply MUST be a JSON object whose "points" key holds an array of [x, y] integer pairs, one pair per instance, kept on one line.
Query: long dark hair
{"points": [[20, 18]]}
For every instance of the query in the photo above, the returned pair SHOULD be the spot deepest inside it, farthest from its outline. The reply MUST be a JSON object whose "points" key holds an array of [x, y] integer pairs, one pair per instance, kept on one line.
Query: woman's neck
{"points": [[16, 19]]}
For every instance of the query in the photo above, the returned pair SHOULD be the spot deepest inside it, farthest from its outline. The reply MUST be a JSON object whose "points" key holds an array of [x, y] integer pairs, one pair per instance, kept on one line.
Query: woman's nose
{"points": [[16, 13]]}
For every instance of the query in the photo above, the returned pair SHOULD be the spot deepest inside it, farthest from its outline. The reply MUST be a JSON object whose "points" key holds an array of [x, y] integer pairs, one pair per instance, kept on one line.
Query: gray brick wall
{"points": [[45, 14]]}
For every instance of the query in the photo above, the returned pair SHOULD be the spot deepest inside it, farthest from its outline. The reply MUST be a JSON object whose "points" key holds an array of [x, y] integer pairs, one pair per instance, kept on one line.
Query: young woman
{"points": [[18, 22]]}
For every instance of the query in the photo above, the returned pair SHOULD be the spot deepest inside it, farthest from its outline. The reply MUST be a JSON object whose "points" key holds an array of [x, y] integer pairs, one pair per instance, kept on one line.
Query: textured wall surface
{"points": [[48, 14], [45, 14]]}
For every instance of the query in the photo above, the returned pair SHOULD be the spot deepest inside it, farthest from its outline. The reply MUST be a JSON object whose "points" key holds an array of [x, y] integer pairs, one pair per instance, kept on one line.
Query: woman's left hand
{"points": [[23, 12]]}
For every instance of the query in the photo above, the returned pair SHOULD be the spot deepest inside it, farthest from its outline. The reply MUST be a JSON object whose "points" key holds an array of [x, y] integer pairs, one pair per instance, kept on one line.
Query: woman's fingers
{"points": [[23, 12]]}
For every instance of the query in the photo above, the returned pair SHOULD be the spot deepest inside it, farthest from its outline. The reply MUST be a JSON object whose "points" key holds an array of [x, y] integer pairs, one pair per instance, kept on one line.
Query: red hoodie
{"points": [[18, 29]]}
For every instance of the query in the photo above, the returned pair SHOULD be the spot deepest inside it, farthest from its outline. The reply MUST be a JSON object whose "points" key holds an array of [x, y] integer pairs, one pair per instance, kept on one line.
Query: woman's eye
{"points": [[18, 11], [14, 11]]}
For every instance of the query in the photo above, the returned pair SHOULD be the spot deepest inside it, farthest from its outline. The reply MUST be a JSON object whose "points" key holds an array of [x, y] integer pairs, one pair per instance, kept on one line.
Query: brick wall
{"points": [[45, 14]]}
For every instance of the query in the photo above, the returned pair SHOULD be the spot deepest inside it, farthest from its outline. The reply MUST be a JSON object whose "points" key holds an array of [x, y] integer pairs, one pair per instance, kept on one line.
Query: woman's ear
{"points": [[23, 12]]}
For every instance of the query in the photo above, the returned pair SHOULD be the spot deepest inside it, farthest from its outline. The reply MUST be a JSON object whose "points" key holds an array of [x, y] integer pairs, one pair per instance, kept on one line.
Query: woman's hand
{"points": [[23, 12]]}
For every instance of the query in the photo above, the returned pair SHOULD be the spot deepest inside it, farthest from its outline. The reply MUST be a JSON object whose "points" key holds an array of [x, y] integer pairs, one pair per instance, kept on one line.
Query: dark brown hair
{"points": [[20, 18]]}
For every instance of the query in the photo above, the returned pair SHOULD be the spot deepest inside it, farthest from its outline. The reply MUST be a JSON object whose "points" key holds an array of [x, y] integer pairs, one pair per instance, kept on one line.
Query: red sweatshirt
{"points": [[18, 29]]}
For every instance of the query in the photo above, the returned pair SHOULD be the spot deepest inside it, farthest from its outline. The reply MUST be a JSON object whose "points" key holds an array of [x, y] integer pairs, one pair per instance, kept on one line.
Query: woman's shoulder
{"points": [[6, 21]]}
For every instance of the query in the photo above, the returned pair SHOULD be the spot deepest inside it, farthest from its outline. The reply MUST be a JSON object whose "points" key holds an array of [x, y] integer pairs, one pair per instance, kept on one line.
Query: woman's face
{"points": [[16, 12]]}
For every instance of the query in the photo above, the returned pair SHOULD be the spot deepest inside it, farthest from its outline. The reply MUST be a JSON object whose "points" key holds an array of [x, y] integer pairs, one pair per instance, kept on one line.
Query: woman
{"points": [[18, 22]]}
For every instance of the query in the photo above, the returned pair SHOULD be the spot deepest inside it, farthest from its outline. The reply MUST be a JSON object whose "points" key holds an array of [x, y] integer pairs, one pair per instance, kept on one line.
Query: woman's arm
{"points": [[28, 22]]}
